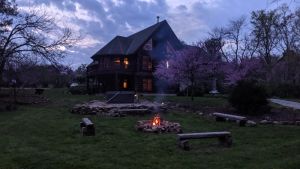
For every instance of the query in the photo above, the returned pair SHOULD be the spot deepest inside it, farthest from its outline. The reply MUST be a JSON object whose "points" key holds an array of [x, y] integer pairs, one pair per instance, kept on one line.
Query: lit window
{"points": [[167, 64], [147, 63], [147, 85], [117, 61], [125, 84], [126, 63]]}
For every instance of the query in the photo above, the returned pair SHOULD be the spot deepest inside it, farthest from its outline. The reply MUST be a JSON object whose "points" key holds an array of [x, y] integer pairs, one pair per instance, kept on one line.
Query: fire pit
{"points": [[158, 125]]}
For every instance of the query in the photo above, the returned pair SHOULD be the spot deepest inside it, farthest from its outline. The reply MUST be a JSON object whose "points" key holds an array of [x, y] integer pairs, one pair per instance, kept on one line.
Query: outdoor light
{"points": [[125, 84], [126, 63]]}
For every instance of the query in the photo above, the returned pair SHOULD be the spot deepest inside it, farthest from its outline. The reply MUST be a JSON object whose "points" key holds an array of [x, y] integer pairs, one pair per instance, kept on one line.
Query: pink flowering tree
{"points": [[184, 67], [247, 68]]}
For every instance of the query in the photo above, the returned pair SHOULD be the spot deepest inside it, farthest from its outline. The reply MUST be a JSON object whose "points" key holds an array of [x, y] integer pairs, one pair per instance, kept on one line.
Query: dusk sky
{"points": [[98, 21]]}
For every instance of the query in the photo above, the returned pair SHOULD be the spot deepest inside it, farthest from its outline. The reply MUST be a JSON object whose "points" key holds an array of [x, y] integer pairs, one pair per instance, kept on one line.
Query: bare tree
{"points": [[30, 35], [287, 29], [220, 33], [296, 29], [236, 38], [265, 31], [7, 9]]}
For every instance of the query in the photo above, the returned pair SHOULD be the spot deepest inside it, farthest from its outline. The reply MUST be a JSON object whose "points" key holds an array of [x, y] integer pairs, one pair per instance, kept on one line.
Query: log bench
{"points": [[87, 127], [133, 111], [241, 120], [223, 136], [39, 91]]}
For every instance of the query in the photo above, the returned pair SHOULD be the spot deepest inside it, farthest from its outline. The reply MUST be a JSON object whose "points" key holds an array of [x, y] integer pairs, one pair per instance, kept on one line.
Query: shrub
{"points": [[80, 89], [198, 91], [286, 90], [249, 98]]}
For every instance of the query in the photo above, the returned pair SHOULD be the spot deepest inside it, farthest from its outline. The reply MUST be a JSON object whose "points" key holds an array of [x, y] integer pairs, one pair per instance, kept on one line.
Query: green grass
{"points": [[48, 136]]}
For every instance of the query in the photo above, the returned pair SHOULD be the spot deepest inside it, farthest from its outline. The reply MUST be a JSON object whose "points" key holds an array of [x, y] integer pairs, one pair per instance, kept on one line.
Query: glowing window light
{"points": [[126, 63], [125, 84], [117, 61]]}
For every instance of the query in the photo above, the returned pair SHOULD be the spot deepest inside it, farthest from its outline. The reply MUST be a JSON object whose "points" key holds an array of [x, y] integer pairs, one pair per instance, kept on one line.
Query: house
{"points": [[128, 63]]}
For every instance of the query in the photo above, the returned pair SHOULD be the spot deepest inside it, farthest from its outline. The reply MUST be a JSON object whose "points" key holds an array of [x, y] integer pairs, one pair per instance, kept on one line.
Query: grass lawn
{"points": [[48, 136]]}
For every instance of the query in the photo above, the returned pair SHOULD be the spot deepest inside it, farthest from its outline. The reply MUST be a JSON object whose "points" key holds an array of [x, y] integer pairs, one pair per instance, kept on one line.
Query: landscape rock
{"points": [[117, 110], [251, 123], [199, 113], [265, 122]]}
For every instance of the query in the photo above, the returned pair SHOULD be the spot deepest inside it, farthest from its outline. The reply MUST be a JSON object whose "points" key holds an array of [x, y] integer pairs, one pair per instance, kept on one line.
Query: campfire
{"points": [[158, 125], [156, 121]]}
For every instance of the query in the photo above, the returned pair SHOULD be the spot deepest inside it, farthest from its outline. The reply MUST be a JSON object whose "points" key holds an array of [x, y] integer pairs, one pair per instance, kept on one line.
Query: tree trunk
{"points": [[192, 93], [192, 88], [1, 75]]}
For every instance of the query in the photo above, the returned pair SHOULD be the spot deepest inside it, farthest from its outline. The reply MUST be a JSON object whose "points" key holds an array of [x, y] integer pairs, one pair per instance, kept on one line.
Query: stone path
{"points": [[286, 103]]}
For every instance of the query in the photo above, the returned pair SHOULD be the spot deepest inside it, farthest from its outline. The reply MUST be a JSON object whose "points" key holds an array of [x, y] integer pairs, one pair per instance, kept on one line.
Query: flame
{"points": [[156, 121]]}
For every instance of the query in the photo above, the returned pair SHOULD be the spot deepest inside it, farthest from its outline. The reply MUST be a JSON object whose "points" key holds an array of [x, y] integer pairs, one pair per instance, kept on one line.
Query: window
{"points": [[147, 63], [125, 84], [148, 45], [117, 61], [147, 85], [126, 63]]}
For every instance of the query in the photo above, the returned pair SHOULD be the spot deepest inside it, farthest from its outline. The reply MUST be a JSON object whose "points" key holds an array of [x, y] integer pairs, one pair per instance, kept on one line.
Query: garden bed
{"points": [[101, 108]]}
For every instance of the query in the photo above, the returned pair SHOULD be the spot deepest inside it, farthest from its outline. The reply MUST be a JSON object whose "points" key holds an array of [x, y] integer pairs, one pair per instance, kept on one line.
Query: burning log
{"points": [[157, 125]]}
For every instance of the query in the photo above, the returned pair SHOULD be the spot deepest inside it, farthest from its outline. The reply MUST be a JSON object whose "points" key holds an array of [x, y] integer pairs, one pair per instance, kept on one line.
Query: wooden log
{"points": [[225, 141], [241, 120], [184, 144], [39, 91], [186, 136], [223, 136], [229, 116], [87, 127]]}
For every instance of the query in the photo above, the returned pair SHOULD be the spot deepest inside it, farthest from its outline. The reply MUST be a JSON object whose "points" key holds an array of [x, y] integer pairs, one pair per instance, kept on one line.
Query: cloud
{"points": [[88, 41], [99, 21]]}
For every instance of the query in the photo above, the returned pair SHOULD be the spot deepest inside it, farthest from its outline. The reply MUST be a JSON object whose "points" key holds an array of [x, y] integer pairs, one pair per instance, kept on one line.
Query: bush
{"points": [[249, 98], [286, 90], [80, 89], [198, 92]]}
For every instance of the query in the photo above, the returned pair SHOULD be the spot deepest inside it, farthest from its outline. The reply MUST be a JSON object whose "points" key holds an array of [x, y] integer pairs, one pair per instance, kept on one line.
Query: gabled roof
{"points": [[128, 45]]}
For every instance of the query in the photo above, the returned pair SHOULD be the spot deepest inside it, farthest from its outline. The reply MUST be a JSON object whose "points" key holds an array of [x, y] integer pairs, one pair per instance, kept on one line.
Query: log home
{"points": [[128, 63]]}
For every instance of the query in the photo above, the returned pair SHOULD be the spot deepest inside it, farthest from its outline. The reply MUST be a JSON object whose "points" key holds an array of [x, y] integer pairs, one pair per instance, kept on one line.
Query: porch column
{"points": [[116, 81]]}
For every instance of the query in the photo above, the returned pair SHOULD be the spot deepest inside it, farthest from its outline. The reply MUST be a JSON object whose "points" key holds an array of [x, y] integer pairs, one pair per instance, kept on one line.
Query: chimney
{"points": [[157, 19]]}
